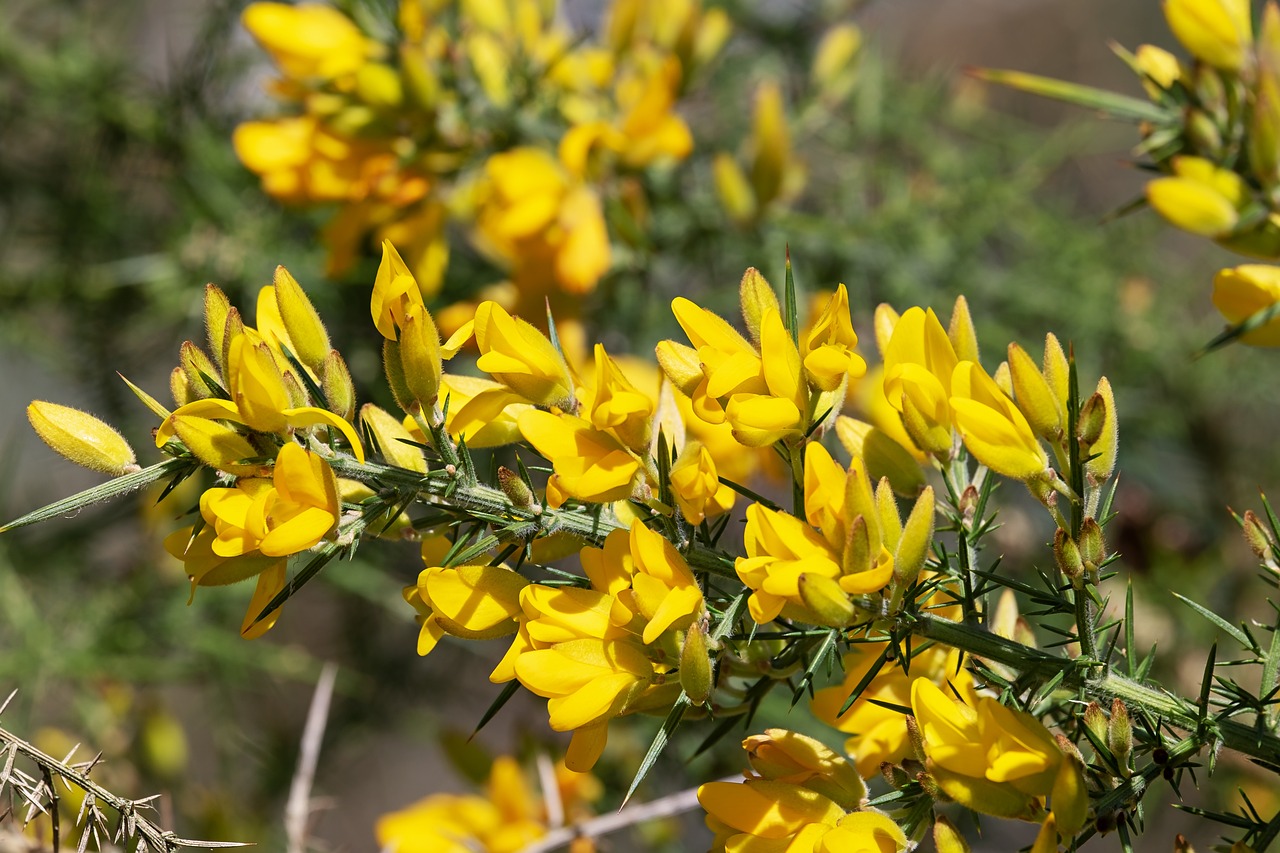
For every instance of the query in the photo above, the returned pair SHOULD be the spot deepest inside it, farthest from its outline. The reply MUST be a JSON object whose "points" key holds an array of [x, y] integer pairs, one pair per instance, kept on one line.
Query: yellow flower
{"points": [[785, 756], [1242, 291], [505, 820], [309, 40], [827, 347], [1218, 32], [587, 682], [533, 217], [664, 591], [1199, 197], [301, 160], [863, 832], [260, 398], [471, 602], [651, 130], [516, 354], [482, 412], [997, 760], [290, 513], [590, 465], [395, 292], [993, 428], [919, 360], [696, 485], [780, 548], [767, 809], [878, 734], [618, 407]]}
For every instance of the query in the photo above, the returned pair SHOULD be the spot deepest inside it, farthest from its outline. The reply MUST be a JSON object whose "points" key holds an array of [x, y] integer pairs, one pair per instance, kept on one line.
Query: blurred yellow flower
{"points": [[309, 39], [1218, 32], [1240, 292]]}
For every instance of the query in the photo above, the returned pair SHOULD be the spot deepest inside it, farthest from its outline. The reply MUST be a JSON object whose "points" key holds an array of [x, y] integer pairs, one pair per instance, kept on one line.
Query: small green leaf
{"points": [[1232, 631], [1248, 324], [820, 658], [508, 690], [110, 489], [660, 741], [789, 302], [1112, 104], [318, 560]]}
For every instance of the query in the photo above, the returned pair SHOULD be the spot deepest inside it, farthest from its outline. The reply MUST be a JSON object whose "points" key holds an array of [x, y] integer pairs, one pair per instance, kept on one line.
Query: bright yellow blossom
{"points": [[1240, 292], [290, 513], [919, 360], [472, 602], [993, 428], [309, 39], [516, 354], [260, 398], [997, 760], [1219, 32], [876, 733], [505, 820], [1199, 197], [590, 465]]}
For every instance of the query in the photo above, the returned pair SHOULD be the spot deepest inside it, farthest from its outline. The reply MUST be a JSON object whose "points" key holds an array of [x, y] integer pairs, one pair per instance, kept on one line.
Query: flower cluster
{"points": [[661, 617], [494, 118]]}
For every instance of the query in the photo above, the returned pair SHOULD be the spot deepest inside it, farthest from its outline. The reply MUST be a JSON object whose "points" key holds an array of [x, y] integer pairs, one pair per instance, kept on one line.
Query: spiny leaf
{"points": [[862, 685], [820, 658], [1232, 631], [660, 741], [1112, 104], [508, 690], [1130, 650], [789, 302], [110, 489], [319, 559], [1258, 318]]}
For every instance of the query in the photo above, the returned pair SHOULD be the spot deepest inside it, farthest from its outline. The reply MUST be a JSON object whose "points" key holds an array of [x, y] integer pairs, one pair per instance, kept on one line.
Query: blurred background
{"points": [[121, 196]]}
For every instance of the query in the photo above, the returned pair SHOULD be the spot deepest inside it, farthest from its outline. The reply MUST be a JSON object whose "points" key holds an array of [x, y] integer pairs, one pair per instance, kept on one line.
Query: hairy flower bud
{"points": [[825, 599], [1257, 536], [82, 438], [757, 298], [1067, 555], [301, 321], [1104, 448], [695, 665], [339, 390], [1120, 735], [216, 308], [1095, 719], [917, 534], [200, 370], [516, 489], [946, 838], [1093, 548]]}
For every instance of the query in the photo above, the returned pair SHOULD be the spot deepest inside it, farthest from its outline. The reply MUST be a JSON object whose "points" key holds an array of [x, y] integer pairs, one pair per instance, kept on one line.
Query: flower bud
{"points": [[1120, 735], [1057, 370], [783, 756], [1093, 548], [1203, 133], [825, 600], [420, 355], [217, 445], [1182, 845], [199, 369], [695, 665], [771, 143], [516, 489], [393, 439], [339, 390], [378, 85], [1103, 449], [306, 332], [887, 513], [757, 298], [180, 387], [1067, 555], [1217, 32], [946, 838], [82, 438], [895, 776], [1034, 396], [216, 308], [917, 534], [394, 370], [961, 331], [233, 329], [681, 365], [833, 72], [1096, 721], [856, 556], [733, 189], [1257, 536]]}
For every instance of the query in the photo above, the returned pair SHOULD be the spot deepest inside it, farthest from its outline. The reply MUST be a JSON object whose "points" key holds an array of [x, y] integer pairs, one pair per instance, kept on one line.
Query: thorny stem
{"points": [[968, 637], [138, 825], [958, 480]]}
